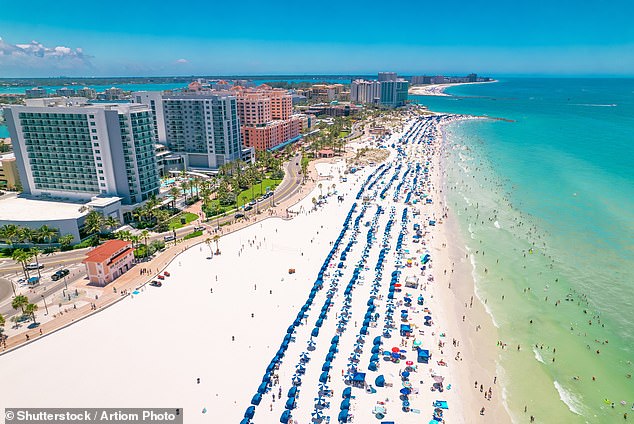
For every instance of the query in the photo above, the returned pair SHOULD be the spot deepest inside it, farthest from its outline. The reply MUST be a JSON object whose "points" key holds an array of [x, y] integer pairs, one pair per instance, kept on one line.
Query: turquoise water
{"points": [[549, 204]]}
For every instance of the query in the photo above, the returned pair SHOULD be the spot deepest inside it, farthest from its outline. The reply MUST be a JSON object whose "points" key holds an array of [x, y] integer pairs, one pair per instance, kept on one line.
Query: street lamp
{"points": [[45, 307], [65, 282]]}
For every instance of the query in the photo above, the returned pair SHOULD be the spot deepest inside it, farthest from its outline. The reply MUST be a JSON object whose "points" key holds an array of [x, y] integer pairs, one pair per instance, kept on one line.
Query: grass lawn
{"points": [[175, 222], [192, 235], [214, 209], [258, 190], [343, 134]]}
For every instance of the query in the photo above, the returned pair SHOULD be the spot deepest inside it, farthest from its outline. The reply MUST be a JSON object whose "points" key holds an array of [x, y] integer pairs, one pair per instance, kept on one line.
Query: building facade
{"points": [[9, 177], [387, 76], [201, 126], [366, 92], [394, 93], [71, 149], [107, 262]]}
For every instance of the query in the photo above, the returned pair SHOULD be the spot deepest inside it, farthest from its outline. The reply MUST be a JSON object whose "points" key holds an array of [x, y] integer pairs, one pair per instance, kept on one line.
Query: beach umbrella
{"points": [[249, 412], [297, 380], [245, 421], [405, 374], [347, 392], [396, 355], [427, 317], [380, 381], [405, 391], [262, 388], [256, 399], [417, 343], [373, 366], [292, 392], [345, 404], [285, 417], [343, 416], [396, 349], [323, 378], [409, 363], [290, 403]]}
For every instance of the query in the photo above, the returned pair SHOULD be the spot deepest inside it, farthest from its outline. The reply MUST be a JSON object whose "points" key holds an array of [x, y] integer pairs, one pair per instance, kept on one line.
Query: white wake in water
{"points": [[572, 402], [538, 356], [497, 224]]}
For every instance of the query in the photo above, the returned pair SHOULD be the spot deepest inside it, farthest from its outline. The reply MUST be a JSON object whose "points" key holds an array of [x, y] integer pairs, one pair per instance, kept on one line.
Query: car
{"points": [[169, 238], [34, 265], [238, 215], [160, 277], [156, 284], [59, 274], [248, 207], [200, 228], [167, 274], [252, 203]]}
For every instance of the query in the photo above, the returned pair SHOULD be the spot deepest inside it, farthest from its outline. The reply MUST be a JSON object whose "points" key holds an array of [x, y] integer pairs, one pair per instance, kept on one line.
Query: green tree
{"points": [[36, 252], [47, 233], [22, 257], [8, 233], [175, 193], [30, 309], [66, 240], [145, 235], [19, 302], [94, 222], [111, 223], [216, 240]]}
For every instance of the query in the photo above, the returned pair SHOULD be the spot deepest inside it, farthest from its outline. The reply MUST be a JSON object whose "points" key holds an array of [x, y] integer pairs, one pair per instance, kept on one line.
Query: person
{"points": [[482, 411]]}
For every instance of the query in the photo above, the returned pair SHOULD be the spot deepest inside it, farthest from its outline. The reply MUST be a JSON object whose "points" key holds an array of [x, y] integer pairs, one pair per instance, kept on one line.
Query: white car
{"points": [[34, 265]]}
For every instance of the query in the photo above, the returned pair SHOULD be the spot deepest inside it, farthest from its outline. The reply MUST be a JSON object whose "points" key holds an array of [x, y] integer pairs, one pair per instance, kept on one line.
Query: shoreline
{"points": [[439, 89], [262, 335]]}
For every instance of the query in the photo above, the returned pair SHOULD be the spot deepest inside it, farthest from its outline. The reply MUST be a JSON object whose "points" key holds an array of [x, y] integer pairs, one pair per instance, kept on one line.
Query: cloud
{"points": [[182, 61], [34, 56]]}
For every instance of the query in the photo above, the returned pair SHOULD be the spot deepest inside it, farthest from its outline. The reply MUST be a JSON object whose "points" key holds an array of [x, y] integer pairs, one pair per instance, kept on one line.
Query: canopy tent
{"points": [[423, 356], [256, 399], [380, 381], [358, 380]]}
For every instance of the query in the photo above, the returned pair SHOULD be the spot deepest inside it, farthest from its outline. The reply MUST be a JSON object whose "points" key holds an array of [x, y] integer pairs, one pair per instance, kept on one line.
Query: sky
{"points": [[283, 37]]}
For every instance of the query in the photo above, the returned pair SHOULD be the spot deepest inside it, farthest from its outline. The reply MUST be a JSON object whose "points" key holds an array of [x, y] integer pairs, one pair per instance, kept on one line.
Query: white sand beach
{"points": [[203, 341], [438, 89]]}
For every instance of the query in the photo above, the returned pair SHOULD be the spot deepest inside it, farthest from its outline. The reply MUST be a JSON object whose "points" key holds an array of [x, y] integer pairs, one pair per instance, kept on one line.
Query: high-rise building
{"points": [[387, 76], [87, 92], [394, 93], [266, 117], [202, 126], [66, 92], [67, 148], [362, 91], [35, 93]]}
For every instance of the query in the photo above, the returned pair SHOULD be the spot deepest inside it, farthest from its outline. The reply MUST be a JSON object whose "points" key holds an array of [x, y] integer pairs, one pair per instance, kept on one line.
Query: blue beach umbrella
{"points": [[249, 412]]}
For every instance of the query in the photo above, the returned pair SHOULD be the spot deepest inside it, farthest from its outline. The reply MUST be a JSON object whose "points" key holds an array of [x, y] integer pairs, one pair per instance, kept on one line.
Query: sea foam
{"points": [[572, 402]]}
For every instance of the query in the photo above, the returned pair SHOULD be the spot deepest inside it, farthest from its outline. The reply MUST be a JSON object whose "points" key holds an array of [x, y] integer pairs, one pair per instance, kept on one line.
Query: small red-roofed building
{"points": [[107, 262]]}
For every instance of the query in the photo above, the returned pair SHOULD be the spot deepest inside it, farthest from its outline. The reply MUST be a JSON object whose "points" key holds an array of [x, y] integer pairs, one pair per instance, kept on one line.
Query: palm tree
{"points": [[22, 257], [19, 302], [8, 233], [30, 309], [2, 322], [175, 193], [47, 233], [94, 222], [35, 252], [66, 240], [111, 223], [184, 187], [135, 240], [145, 234], [25, 235], [208, 243], [217, 239]]}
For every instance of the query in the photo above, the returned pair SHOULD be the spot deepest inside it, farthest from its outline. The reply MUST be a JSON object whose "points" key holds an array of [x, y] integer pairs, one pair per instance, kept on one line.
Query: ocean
{"points": [[546, 207]]}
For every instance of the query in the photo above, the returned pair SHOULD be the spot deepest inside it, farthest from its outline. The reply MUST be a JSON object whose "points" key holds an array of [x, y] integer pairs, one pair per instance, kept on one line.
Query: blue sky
{"points": [[121, 38]]}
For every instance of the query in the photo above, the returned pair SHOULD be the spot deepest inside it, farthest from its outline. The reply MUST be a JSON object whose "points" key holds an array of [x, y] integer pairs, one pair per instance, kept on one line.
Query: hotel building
{"points": [[69, 149], [200, 126]]}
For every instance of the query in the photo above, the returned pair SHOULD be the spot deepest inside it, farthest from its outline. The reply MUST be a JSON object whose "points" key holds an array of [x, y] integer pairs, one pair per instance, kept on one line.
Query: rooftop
{"points": [[24, 209], [107, 250]]}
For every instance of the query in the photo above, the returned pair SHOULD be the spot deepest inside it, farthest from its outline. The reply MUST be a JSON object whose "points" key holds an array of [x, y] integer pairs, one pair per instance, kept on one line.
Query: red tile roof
{"points": [[106, 250]]}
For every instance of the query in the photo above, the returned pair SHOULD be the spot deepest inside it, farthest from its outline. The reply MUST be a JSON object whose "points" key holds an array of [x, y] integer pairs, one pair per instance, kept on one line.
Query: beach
{"points": [[292, 312], [438, 89]]}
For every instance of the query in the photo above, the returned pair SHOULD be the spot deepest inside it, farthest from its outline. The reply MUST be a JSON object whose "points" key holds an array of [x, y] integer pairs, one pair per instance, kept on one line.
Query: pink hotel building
{"points": [[266, 117]]}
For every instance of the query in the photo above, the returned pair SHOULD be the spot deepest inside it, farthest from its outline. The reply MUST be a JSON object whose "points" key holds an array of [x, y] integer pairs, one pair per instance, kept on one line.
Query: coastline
{"points": [[439, 89], [457, 291], [476, 346]]}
